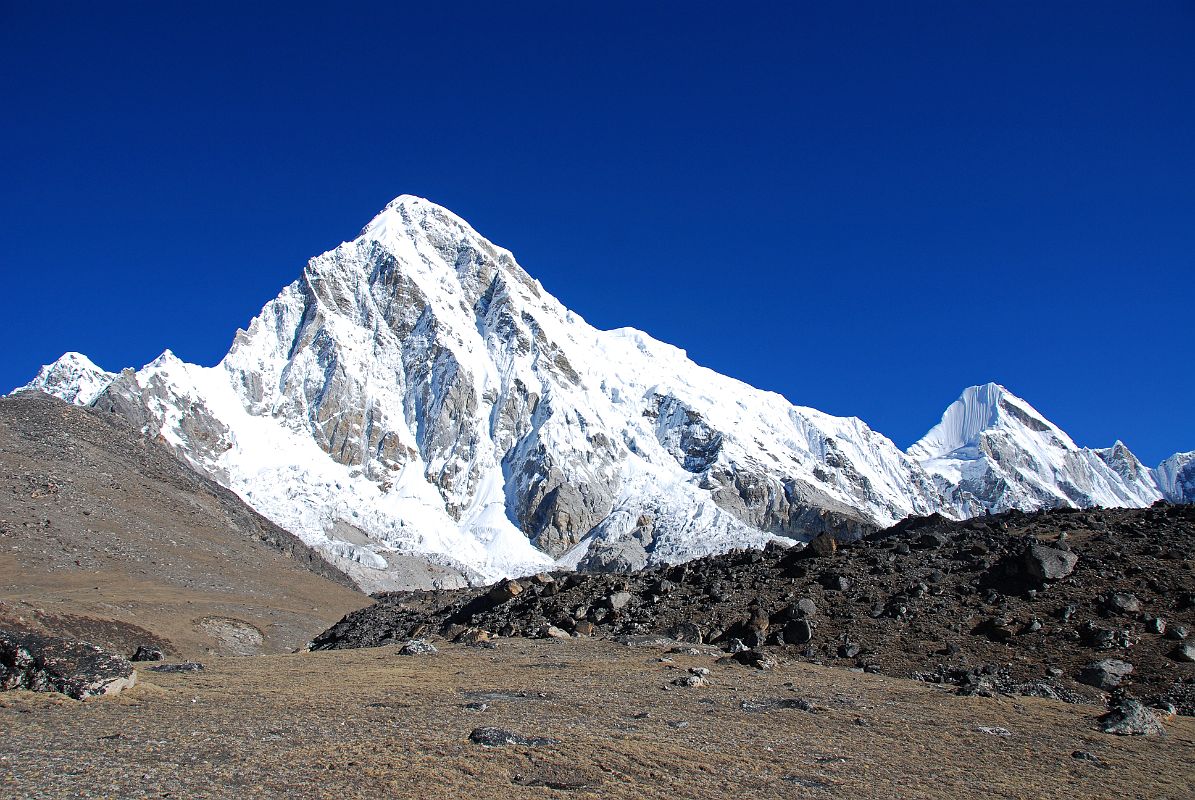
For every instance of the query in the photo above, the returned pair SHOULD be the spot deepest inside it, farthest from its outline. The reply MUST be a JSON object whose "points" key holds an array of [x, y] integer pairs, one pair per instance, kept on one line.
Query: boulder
{"points": [[497, 737], [1122, 603], [618, 600], [147, 653], [1184, 652], [1105, 674], [686, 632], [799, 631], [417, 647], [1043, 563], [1130, 717], [51, 664], [823, 546], [505, 590]]}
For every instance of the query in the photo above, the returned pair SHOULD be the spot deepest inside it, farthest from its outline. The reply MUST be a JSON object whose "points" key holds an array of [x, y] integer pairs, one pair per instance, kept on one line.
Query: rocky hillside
{"points": [[1069, 604], [106, 537]]}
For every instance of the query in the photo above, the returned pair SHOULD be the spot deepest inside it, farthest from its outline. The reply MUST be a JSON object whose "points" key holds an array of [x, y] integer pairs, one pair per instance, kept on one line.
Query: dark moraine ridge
{"points": [[996, 604]]}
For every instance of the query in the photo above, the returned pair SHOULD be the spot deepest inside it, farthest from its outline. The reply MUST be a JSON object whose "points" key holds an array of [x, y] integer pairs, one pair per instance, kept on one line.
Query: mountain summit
{"points": [[993, 451], [417, 395]]}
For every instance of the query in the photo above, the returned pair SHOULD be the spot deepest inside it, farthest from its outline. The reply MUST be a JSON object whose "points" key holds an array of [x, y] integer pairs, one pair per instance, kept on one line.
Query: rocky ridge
{"points": [[1024, 603]]}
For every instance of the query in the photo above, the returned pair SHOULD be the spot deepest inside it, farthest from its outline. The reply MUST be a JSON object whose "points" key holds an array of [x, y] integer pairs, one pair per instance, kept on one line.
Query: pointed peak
{"points": [[167, 358], [72, 359], [395, 215], [979, 409], [73, 377]]}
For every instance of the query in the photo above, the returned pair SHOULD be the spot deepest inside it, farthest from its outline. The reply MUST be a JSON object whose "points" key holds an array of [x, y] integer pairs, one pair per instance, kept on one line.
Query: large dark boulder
{"points": [[50, 664], [1043, 563]]}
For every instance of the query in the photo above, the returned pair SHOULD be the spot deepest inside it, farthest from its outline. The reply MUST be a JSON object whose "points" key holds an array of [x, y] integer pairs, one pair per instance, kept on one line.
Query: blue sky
{"points": [[863, 206]]}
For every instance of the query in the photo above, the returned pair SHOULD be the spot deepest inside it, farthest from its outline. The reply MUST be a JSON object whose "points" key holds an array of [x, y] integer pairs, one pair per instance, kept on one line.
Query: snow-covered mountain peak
{"points": [[415, 393], [980, 409], [73, 377], [993, 451]]}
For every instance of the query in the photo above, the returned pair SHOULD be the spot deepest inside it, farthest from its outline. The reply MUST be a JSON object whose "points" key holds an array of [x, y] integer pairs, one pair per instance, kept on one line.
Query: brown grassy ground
{"points": [[371, 723]]}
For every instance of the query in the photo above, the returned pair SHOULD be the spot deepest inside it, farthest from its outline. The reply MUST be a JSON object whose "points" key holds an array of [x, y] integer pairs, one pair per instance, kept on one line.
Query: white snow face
{"points": [[992, 451], [1176, 477], [73, 377], [417, 394]]}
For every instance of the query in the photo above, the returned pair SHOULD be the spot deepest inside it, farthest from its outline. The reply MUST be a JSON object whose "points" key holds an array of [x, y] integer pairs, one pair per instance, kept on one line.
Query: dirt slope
{"points": [[107, 538]]}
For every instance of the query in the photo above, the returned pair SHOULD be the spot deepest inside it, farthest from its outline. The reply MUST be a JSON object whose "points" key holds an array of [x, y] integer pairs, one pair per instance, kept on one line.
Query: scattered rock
{"points": [[51, 664], [147, 653], [1043, 563], [874, 606], [994, 731], [1184, 652], [1083, 755], [1130, 717], [504, 591], [823, 546], [417, 647], [1122, 603], [1105, 674], [498, 737], [619, 600], [182, 666], [754, 658]]}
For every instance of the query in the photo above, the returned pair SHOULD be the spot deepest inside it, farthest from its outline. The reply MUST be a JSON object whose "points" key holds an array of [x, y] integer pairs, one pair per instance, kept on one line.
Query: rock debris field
{"points": [[1086, 606]]}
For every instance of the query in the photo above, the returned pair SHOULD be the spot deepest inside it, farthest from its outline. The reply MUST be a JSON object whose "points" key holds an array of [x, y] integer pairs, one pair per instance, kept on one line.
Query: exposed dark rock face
{"points": [[50, 664], [1011, 603]]}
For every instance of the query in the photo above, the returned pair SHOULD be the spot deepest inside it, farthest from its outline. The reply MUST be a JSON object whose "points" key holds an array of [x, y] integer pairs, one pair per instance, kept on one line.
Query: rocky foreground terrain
{"points": [[1069, 604], [105, 537]]}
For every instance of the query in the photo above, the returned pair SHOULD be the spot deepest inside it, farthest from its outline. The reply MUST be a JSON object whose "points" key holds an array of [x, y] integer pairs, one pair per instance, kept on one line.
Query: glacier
{"points": [[416, 398]]}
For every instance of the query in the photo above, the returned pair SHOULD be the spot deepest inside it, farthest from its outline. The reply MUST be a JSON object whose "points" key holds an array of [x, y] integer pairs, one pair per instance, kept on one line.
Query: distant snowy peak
{"points": [[73, 377], [1176, 477], [993, 451], [981, 410]]}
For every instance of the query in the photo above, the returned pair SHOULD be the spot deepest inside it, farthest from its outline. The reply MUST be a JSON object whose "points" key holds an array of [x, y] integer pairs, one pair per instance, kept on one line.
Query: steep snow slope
{"points": [[73, 377], [1176, 477], [992, 451], [417, 393]]}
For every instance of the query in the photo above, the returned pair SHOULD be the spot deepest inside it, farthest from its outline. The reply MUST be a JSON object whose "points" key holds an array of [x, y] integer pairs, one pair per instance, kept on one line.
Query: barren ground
{"points": [[372, 723]]}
